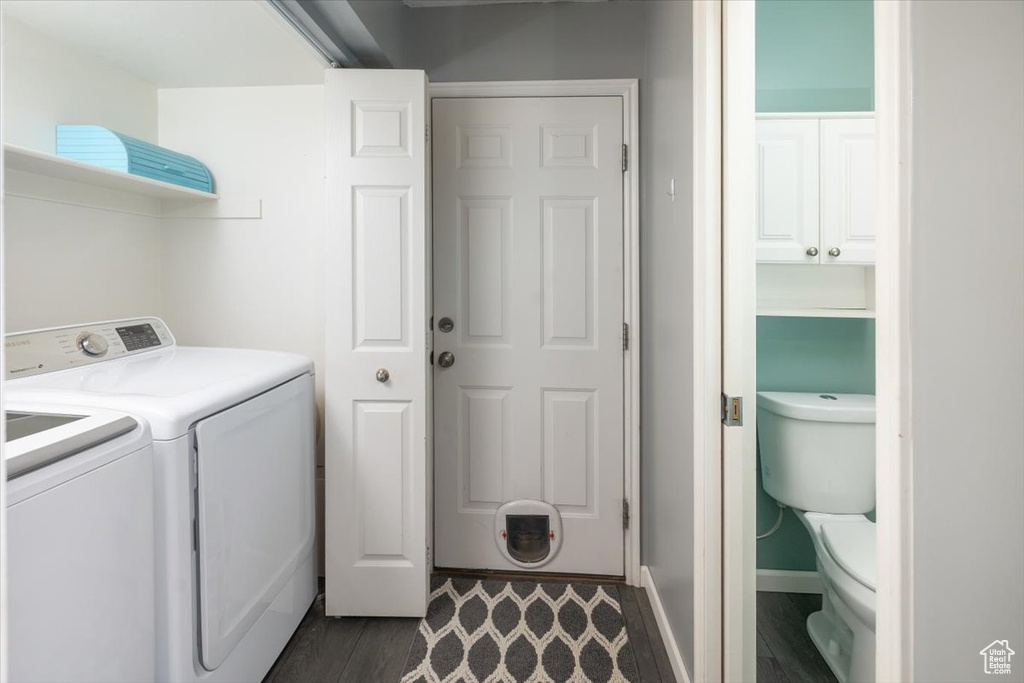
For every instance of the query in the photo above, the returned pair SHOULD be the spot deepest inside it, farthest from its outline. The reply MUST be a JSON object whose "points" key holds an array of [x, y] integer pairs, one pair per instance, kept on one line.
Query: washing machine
{"points": [[233, 453], [80, 545]]}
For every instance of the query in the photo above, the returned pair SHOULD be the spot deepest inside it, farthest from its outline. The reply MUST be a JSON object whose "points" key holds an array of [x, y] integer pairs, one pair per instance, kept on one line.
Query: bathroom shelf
{"points": [[43, 164], [816, 312]]}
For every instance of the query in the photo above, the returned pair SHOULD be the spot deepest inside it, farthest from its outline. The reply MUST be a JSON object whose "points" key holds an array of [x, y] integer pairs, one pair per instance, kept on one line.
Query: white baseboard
{"points": [[788, 581], [674, 655]]}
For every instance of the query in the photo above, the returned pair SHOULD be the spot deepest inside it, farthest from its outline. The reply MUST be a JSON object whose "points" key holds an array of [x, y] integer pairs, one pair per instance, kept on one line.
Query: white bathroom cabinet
{"points": [[815, 190]]}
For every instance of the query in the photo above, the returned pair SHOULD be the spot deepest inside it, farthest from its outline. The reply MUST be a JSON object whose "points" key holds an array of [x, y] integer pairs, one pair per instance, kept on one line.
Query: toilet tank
{"points": [[818, 450]]}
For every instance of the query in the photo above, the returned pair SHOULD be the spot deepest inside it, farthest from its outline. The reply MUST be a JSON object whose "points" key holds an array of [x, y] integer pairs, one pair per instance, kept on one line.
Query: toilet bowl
{"points": [[844, 629], [528, 532], [818, 457]]}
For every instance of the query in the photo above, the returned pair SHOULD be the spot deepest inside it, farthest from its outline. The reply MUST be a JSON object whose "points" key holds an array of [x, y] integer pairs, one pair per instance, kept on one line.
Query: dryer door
{"points": [[255, 510]]}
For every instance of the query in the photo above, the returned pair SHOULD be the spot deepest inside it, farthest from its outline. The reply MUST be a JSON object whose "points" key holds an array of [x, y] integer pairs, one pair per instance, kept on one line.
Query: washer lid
{"points": [[853, 546], [171, 388]]}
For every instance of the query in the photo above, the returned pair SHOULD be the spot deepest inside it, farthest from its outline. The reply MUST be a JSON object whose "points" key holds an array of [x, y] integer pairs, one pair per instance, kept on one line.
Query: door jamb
{"points": [[707, 341], [628, 90], [894, 625], [894, 443]]}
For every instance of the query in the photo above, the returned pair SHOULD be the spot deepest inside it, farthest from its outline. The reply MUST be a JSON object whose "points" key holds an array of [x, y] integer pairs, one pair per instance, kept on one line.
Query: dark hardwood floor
{"points": [[359, 650], [785, 653]]}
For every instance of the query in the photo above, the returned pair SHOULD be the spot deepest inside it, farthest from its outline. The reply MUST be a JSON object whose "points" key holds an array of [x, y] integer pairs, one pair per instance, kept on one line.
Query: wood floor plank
{"points": [[770, 671], [380, 655], [784, 628], [654, 636], [319, 650], [762, 647], [806, 603], [646, 664]]}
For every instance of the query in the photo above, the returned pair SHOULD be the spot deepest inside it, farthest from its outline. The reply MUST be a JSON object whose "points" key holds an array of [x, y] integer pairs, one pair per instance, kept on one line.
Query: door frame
{"points": [[723, 76], [708, 584], [628, 90]]}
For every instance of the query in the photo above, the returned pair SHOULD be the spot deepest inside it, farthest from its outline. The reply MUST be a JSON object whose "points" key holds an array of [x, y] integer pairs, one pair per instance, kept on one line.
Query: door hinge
{"points": [[625, 513], [732, 411], [625, 336], [625, 158], [426, 136]]}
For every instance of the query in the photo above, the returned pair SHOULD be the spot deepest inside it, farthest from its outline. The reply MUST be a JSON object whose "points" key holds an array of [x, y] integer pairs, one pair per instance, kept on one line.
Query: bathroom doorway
{"points": [[802, 288]]}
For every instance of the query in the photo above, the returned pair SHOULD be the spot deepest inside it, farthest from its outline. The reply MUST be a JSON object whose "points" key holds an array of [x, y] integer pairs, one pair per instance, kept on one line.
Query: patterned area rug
{"points": [[524, 631]]}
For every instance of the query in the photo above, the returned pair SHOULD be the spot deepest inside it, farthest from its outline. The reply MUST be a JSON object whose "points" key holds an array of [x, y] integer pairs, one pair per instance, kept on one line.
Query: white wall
{"points": [[967, 335], [254, 283], [667, 311], [47, 83], [525, 41], [65, 263], [68, 264]]}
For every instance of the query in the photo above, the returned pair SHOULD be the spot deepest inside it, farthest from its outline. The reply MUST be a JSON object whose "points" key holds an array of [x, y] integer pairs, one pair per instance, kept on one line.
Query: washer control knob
{"points": [[92, 344]]}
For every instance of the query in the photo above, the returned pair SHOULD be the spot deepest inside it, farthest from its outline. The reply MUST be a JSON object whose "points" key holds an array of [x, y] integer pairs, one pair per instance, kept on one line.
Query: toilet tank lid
{"points": [[852, 546], [823, 407]]}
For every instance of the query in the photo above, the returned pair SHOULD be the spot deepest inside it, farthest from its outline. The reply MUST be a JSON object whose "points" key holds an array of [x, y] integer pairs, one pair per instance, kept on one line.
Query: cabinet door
{"points": [[787, 191], [848, 191]]}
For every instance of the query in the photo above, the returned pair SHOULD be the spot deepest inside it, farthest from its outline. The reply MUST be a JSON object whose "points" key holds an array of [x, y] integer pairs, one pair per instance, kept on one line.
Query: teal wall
{"points": [[807, 354], [815, 55]]}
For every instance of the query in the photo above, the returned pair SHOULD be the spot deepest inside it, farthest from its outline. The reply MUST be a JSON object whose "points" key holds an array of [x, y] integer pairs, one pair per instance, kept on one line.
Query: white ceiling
{"points": [[180, 43]]}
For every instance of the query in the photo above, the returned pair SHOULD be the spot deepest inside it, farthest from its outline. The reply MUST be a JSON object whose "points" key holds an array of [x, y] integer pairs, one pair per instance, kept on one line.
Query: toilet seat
{"points": [[852, 546]]}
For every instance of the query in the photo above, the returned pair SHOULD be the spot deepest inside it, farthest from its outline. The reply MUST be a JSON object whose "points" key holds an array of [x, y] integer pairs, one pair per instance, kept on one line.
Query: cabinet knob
{"points": [[834, 252], [383, 375], [812, 251]]}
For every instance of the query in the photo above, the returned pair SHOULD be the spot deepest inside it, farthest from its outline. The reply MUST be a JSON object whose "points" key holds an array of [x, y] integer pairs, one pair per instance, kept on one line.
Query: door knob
{"points": [[445, 324], [383, 375], [834, 252], [446, 359], [812, 251]]}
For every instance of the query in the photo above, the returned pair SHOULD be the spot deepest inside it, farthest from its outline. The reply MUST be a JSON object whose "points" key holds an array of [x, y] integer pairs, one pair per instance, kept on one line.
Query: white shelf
{"points": [[39, 163], [816, 312]]}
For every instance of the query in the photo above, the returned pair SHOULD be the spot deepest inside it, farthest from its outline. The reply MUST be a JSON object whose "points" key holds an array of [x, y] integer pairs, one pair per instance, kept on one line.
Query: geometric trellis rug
{"points": [[497, 631]]}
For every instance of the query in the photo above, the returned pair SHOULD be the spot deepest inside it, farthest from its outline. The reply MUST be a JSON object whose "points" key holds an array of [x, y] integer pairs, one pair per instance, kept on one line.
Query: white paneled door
{"points": [[528, 269], [377, 375]]}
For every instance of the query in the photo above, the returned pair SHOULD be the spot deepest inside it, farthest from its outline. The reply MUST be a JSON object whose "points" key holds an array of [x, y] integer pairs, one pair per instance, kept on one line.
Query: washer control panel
{"points": [[60, 348]]}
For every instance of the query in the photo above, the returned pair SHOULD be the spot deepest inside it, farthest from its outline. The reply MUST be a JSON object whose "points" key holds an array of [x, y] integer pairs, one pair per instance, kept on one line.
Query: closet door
{"points": [[848, 191], [787, 191], [377, 379]]}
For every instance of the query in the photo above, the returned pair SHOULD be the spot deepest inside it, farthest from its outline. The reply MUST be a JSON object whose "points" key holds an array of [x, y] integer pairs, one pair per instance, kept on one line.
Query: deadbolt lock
{"points": [[445, 324]]}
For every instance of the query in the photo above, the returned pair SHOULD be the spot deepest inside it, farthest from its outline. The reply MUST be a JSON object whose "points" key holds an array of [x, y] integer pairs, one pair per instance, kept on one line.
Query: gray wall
{"points": [[385, 20], [649, 40], [667, 312], [967, 335], [525, 41]]}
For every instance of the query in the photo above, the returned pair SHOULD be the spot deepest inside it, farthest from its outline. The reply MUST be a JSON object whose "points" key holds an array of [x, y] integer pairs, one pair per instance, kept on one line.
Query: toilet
{"points": [[818, 457]]}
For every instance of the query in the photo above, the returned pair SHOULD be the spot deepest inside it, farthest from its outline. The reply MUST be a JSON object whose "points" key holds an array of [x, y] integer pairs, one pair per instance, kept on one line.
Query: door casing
{"points": [[628, 90]]}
